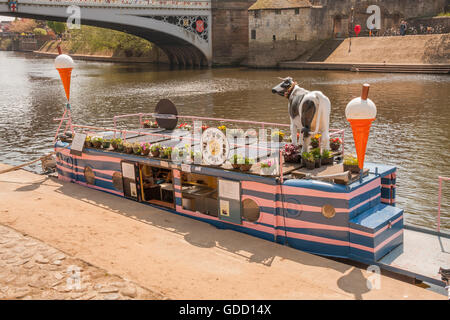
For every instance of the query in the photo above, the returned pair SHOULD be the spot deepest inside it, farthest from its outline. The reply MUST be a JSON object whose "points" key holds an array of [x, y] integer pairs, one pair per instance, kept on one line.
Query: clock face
{"points": [[215, 147]]}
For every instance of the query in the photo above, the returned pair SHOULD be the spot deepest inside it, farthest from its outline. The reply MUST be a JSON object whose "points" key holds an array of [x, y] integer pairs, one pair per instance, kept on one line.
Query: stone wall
{"points": [[230, 31], [288, 36]]}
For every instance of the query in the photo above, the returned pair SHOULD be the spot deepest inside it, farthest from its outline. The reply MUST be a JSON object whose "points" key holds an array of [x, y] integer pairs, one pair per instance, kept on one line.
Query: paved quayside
{"points": [[174, 256]]}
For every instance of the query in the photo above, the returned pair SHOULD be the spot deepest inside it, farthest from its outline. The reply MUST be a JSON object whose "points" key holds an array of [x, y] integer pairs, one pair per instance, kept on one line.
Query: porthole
{"points": [[117, 181], [89, 175], [291, 205], [250, 210], [328, 211]]}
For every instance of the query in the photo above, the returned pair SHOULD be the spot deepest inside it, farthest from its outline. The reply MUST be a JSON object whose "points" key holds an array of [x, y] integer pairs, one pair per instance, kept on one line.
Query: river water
{"points": [[411, 130]]}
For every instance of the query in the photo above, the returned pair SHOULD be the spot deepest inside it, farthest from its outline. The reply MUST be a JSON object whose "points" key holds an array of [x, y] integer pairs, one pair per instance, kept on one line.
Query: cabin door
{"points": [[230, 201], [130, 177]]}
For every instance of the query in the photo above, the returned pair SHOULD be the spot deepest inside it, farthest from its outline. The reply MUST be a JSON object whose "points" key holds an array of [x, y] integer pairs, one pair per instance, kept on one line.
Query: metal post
{"points": [[439, 205]]}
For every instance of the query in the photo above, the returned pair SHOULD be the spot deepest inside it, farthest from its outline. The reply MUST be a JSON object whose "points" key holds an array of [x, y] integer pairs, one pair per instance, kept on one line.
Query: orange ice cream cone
{"points": [[361, 129], [65, 74]]}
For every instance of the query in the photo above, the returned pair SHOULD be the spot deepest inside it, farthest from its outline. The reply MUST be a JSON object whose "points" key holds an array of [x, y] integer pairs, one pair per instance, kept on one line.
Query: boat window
{"points": [[199, 193], [328, 211], [89, 175], [157, 186], [250, 210], [117, 181]]}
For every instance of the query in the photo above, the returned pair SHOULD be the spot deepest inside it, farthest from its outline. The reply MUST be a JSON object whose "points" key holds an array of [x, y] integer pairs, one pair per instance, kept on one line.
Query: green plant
{"points": [[155, 148], [116, 142], [88, 142], [39, 32], [326, 154], [277, 136], [97, 142], [315, 153], [106, 143], [128, 147], [350, 160], [167, 152], [267, 164], [308, 156]]}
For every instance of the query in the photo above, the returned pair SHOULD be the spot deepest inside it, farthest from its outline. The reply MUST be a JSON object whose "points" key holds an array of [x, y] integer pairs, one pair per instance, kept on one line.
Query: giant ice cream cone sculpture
{"points": [[360, 112], [64, 64]]}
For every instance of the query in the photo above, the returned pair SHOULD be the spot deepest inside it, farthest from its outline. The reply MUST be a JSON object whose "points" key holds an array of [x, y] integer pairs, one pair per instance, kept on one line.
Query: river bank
{"points": [[177, 257]]}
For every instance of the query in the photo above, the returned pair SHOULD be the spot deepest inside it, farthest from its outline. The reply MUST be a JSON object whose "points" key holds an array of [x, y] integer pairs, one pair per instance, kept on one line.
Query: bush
{"points": [[39, 32]]}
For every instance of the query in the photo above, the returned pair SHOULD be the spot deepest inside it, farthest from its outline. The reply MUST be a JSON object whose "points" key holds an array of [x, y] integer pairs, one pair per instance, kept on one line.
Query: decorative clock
{"points": [[215, 147]]}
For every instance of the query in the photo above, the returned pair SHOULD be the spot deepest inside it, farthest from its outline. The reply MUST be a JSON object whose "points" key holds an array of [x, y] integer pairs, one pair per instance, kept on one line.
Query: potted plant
{"points": [[196, 157], [315, 141], [115, 143], [167, 153], [267, 168], [106, 143], [327, 157], [137, 148], [155, 150], [88, 142], [184, 126], [236, 161], [351, 164], [308, 160], [150, 124], [247, 164], [120, 146], [128, 147], [145, 148], [335, 144], [291, 153], [97, 142], [316, 154], [223, 129], [277, 136], [204, 127]]}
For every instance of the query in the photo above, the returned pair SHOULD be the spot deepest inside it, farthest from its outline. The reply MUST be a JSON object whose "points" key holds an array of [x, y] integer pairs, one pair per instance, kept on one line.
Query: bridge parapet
{"points": [[172, 4]]}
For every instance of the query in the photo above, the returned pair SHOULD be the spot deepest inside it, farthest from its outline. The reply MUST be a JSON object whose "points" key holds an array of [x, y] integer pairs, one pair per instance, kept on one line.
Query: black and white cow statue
{"points": [[309, 111]]}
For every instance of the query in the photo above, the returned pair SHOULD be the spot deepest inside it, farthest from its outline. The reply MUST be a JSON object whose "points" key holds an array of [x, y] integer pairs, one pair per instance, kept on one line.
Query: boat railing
{"points": [[333, 132], [440, 201]]}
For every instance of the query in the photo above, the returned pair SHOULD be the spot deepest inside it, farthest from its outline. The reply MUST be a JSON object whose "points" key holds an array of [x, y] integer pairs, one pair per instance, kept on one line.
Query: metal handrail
{"points": [[439, 202]]}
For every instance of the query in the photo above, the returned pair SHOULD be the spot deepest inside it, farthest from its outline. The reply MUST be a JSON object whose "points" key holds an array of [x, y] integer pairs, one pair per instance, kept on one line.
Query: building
{"points": [[283, 30]]}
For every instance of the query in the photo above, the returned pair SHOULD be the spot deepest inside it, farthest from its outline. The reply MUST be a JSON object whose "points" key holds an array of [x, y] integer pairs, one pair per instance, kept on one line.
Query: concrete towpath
{"points": [[173, 256]]}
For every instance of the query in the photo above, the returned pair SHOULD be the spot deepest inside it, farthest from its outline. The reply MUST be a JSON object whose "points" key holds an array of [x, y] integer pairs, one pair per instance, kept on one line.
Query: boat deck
{"points": [[420, 255]]}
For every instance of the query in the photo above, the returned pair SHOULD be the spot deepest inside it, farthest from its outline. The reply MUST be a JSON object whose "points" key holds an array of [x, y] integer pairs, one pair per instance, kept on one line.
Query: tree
{"points": [[39, 32], [22, 25], [57, 27]]}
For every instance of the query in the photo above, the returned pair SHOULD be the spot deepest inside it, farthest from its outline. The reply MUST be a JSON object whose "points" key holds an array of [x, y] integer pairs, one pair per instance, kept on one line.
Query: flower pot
{"points": [[245, 167], [236, 166], [266, 171], [145, 152], [327, 161], [120, 147], [137, 151], [106, 144], [353, 168], [97, 144], [315, 144], [155, 154], [335, 146], [88, 144], [309, 164], [129, 150], [317, 162]]}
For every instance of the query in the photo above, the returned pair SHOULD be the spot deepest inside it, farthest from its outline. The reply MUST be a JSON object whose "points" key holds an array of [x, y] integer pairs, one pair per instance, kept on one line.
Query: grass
{"points": [[444, 14], [99, 41]]}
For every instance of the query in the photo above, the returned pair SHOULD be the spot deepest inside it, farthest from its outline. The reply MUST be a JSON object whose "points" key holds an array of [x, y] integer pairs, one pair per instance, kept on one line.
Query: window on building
{"points": [[253, 36], [257, 14], [278, 11], [297, 11], [274, 38]]}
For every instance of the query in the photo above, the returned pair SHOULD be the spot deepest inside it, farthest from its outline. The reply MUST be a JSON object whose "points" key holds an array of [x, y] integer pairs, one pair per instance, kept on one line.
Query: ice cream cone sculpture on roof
{"points": [[361, 112], [64, 64]]}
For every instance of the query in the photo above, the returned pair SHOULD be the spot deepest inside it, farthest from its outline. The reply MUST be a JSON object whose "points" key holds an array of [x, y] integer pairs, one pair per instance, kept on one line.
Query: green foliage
{"points": [[326, 154], [155, 148], [92, 39], [39, 32], [350, 160], [315, 153], [57, 27], [444, 14], [307, 156]]}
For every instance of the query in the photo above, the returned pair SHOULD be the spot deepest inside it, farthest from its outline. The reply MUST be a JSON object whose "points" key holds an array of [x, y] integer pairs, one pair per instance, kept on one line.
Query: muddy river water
{"points": [[411, 130]]}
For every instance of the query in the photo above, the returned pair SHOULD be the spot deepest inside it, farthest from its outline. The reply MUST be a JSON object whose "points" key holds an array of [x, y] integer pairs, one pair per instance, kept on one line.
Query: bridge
{"points": [[191, 33]]}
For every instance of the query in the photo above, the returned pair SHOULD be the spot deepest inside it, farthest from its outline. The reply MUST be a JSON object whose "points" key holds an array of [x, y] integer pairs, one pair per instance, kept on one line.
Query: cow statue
{"points": [[309, 111]]}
